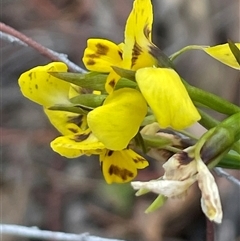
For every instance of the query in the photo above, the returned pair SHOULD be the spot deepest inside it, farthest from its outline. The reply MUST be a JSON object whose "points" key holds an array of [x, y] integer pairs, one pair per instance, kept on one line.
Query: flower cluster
{"points": [[131, 87]]}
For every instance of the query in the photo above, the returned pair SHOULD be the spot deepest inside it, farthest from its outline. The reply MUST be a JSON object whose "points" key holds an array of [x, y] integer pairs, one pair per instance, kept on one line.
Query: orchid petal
{"points": [[72, 146], [121, 166], [166, 95], [101, 54], [118, 120], [66, 123], [111, 81], [138, 36], [43, 88]]}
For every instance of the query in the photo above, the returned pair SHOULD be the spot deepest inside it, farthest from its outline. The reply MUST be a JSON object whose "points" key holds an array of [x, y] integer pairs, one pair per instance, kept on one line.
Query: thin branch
{"points": [[12, 35], [209, 230], [220, 172], [34, 232]]}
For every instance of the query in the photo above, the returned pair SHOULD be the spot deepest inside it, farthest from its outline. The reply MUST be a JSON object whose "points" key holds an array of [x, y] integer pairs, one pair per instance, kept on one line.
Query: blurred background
{"points": [[39, 187]]}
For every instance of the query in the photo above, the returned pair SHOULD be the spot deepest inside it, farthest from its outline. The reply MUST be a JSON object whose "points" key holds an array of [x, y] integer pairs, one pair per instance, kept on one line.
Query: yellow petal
{"points": [[66, 123], [72, 146], [41, 87], [111, 81], [118, 120], [138, 32], [121, 166], [101, 54], [223, 54], [166, 95]]}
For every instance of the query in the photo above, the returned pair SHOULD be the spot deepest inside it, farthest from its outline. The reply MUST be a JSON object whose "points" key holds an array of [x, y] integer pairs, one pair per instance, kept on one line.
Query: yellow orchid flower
{"points": [[100, 54], [77, 140], [162, 88]]}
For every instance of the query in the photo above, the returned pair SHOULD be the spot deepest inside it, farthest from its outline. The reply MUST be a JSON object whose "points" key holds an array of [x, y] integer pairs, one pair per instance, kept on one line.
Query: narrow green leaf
{"points": [[123, 83], [231, 161], [91, 80], [125, 73], [89, 100], [79, 109], [156, 141]]}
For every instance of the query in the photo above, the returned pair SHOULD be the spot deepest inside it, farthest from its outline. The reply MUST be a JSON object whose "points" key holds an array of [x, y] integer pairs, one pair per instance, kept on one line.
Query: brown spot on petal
{"points": [[120, 54], [91, 62], [73, 130], [109, 153], [147, 31], [36, 86], [81, 137], [92, 56], [30, 75], [112, 83], [123, 173], [76, 120], [135, 53], [102, 49], [138, 159]]}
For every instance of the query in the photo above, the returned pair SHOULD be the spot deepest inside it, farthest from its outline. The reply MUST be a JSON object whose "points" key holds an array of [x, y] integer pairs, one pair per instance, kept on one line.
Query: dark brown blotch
{"points": [[183, 158], [135, 53], [146, 31], [36, 86], [120, 54], [120, 172], [81, 137], [102, 49], [112, 83], [73, 130], [109, 153], [91, 62], [92, 56], [138, 159], [76, 120]]}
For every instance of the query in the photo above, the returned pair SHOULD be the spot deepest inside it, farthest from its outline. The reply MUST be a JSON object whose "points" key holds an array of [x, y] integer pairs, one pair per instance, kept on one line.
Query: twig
{"points": [[209, 230], [34, 232], [12, 35], [220, 172]]}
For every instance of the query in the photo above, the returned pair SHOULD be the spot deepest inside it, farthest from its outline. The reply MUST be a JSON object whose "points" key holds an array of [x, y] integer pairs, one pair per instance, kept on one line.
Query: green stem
{"points": [[230, 161], [185, 49], [210, 100], [209, 122]]}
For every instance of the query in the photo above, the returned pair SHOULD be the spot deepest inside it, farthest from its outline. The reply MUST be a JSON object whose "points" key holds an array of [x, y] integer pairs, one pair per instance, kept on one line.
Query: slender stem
{"points": [[52, 55], [210, 230], [207, 121], [210, 100], [185, 49]]}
